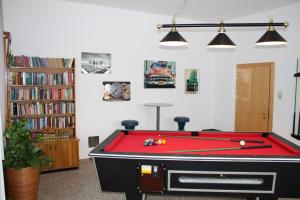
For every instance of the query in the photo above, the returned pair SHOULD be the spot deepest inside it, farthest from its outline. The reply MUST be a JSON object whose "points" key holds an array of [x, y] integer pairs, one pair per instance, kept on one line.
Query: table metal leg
{"points": [[157, 117], [268, 198], [263, 198]]}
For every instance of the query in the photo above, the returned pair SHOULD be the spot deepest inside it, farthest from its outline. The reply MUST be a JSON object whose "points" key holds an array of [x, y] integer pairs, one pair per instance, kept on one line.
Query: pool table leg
{"points": [[134, 196]]}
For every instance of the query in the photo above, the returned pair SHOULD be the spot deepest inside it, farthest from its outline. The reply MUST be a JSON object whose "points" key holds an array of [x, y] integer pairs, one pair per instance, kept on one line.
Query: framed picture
{"points": [[116, 91], [191, 81], [159, 74], [95, 63]]}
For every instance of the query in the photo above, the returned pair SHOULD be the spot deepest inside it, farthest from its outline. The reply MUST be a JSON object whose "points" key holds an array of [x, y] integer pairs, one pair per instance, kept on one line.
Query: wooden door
{"points": [[73, 153], [45, 149], [48, 150], [254, 97], [65, 154], [61, 155]]}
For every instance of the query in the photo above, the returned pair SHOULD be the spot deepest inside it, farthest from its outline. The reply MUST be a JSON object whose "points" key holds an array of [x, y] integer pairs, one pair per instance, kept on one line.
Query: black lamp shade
{"points": [[173, 38], [271, 37], [221, 41]]}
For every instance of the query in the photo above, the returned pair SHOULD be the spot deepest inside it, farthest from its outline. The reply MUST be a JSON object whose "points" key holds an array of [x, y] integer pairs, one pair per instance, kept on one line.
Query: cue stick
{"points": [[225, 148], [294, 116], [299, 124], [222, 139]]}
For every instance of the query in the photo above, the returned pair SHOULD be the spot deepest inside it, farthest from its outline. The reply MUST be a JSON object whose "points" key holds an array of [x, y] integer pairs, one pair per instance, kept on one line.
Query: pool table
{"points": [[198, 163]]}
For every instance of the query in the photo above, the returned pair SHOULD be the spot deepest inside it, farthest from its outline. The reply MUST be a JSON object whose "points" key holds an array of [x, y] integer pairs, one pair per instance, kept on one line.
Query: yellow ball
{"points": [[163, 141]]}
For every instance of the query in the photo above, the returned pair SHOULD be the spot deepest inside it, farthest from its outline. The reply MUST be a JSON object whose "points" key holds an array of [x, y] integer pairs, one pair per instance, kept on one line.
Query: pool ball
{"points": [[242, 142]]}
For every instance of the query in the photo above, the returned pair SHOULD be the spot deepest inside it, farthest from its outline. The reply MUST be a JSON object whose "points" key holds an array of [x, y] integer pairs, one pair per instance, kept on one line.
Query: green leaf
{"points": [[20, 150], [35, 149]]}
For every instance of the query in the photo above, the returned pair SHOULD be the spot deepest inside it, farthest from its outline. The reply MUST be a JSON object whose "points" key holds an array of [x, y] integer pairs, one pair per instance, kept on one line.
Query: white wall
{"points": [[2, 105], [53, 28], [285, 66], [2, 82]]}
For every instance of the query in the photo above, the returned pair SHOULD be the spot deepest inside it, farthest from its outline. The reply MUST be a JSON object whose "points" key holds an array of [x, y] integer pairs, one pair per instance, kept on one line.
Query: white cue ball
{"points": [[242, 142]]}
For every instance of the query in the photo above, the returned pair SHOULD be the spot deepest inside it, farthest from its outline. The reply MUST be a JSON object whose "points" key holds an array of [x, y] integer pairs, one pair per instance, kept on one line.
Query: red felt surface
{"points": [[134, 143]]}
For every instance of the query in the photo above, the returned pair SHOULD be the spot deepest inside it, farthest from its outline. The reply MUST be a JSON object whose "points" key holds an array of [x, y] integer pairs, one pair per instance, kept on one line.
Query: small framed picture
{"points": [[191, 81], [116, 91], [95, 63]]}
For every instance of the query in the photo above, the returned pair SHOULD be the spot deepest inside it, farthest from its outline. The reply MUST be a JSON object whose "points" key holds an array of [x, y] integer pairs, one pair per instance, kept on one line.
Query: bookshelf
{"points": [[42, 90]]}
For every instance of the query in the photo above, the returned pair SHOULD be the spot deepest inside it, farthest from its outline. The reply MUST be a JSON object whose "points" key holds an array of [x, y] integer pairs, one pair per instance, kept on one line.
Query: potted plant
{"points": [[23, 161]]}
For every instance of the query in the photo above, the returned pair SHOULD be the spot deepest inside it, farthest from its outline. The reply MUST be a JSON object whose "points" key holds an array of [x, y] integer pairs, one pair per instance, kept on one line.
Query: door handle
{"points": [[262, 113]]}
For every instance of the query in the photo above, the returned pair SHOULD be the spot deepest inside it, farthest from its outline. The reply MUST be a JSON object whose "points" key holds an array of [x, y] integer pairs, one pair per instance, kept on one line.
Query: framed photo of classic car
{"points": [[159, 74]]}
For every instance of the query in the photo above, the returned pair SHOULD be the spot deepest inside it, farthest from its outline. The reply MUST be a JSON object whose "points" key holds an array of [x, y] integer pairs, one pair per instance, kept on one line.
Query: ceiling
{"points": [[200, 10]]}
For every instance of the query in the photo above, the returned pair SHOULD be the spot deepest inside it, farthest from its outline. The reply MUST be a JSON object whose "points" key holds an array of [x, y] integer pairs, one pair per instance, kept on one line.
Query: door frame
{"points": [[270, 65]]}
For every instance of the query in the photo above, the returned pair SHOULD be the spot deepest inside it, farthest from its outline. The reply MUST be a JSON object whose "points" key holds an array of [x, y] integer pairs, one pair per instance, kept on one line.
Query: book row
{"points": [[51, 122], [27, 61], [38, 108], [28, 78], [41, 94]]}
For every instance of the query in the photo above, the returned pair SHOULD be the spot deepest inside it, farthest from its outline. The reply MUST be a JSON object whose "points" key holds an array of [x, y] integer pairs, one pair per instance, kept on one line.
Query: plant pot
{"points": [[22, 184]]}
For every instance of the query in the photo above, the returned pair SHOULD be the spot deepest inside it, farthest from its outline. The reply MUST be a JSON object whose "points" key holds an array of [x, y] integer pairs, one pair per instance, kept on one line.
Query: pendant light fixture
{"points": [[173, 38], [271, 37], [221, 40]]}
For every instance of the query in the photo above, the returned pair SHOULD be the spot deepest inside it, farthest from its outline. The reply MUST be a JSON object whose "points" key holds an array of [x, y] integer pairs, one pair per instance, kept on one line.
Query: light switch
{"points": [[279, 95]]}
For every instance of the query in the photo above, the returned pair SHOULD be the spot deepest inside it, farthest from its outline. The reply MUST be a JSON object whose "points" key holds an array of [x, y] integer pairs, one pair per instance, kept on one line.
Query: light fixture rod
{"points": [[285, 24]]}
